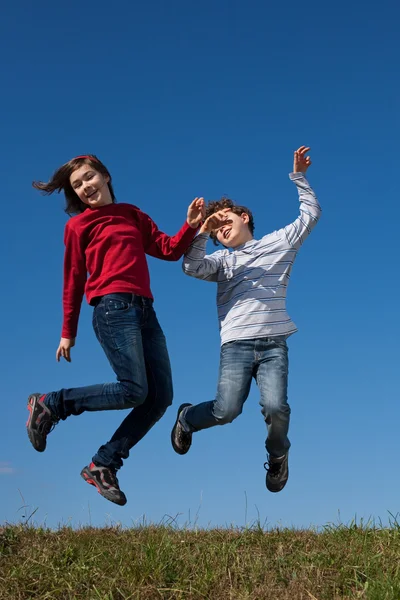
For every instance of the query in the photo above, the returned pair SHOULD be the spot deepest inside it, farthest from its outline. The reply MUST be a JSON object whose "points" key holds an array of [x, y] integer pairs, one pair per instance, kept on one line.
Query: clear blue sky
{"points": [[183, 99]]}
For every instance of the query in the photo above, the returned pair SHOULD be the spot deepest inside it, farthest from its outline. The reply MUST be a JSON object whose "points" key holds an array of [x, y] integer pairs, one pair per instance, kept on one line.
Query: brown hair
{"points": [[216, 205], [60, 182]]}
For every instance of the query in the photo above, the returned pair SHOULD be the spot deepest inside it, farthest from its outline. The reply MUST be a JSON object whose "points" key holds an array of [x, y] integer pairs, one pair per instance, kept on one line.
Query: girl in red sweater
{"points": [[105, 258]]}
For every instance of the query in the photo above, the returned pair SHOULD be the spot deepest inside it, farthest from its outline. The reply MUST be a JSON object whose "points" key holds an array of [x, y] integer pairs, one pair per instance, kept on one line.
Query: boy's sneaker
{"points": [[40, 421], [106, 482], [181, 439], [277, 473]]}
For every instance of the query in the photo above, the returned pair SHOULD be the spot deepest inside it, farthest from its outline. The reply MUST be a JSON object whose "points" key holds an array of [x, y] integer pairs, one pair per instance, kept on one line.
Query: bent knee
{"points": [[226, 416], [164, 401], [135, 393], [276, 411]]}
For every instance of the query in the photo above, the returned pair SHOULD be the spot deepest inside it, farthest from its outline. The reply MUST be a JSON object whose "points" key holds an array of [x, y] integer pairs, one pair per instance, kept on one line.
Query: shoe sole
{"points": [[175, 447], [87, 476], [35, 439], [275, 491]]}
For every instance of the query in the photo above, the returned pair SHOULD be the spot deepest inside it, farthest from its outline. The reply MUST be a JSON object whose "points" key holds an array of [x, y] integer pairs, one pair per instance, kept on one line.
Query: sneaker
{"points": [[40, 421], [277, 473], [106, 482], [181, 439]]}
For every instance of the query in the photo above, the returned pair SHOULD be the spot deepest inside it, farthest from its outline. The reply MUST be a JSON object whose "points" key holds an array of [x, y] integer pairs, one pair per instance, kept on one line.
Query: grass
{"points": [[165, 562]]}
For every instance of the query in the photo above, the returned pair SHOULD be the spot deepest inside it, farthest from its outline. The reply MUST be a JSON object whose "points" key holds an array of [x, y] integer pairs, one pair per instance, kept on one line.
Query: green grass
{"points": [[163, 562]]}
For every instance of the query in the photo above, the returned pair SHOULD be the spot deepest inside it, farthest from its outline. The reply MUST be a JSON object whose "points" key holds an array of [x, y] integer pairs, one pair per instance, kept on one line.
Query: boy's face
{"points": [[235, 231]]}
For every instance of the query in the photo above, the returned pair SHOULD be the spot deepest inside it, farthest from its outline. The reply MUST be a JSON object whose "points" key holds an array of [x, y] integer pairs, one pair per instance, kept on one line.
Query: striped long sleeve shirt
{"points": [[252, 279]]}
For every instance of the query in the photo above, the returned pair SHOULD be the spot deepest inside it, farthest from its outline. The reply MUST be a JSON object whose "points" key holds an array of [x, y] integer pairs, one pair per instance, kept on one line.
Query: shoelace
{"points": [[113, 478], [47, 425], [182, 434], [273, 467]]}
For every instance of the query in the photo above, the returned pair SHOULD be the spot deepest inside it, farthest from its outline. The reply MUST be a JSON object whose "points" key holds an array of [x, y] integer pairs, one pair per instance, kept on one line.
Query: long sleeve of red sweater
{"points": [[110, 244], [74, 281], [163, 246]]}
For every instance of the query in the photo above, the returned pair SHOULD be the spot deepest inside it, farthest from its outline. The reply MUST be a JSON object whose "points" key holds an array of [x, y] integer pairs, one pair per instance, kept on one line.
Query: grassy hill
{"points": [[162, 562]]}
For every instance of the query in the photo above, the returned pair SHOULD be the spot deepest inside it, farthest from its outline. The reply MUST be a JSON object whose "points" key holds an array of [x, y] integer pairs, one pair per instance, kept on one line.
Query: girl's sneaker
{"points": [[40, 421], [106, 482]]}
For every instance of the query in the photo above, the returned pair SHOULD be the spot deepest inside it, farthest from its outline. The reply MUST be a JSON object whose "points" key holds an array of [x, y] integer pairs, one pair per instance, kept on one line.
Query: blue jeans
{"points": [[265, 359], [130, 335]]}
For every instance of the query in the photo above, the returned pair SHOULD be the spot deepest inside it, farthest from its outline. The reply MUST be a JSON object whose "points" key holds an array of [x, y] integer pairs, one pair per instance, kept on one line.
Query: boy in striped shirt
{"points": [[252, 278]]}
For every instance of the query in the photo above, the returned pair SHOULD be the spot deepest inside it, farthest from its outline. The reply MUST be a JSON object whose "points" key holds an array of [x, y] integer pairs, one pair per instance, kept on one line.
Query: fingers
{"points": [[217, 220], [196, 203], [299, 154], [214, 221], [300, 161], [64, 352], [67, 354]]}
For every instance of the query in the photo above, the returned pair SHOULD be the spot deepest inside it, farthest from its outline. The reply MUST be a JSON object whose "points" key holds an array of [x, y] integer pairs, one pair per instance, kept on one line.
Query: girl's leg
{"points": [[142, 418], [117, 321]]}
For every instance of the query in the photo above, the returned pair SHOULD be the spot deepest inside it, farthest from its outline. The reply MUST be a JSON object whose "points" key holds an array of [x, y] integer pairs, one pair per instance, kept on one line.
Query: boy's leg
{"points": [[272, 380], [142, 418], [235, 374]]}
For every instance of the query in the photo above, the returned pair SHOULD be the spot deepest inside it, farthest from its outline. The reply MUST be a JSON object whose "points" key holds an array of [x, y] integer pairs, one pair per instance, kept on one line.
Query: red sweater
{"points": [[105, 252]]}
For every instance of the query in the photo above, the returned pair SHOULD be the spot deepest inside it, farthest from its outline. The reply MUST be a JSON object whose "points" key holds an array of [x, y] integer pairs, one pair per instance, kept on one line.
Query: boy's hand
{"points": [[215, 221], [64, 349], [196, 213], [301, 162]]}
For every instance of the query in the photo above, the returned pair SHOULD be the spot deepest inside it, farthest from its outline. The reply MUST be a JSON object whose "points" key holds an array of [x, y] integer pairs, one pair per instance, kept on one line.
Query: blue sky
{"points": [[186, 99]]}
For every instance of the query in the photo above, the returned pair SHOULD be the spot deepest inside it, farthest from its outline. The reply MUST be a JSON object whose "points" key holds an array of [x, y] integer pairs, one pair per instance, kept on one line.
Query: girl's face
{"points": [[91, 186]]}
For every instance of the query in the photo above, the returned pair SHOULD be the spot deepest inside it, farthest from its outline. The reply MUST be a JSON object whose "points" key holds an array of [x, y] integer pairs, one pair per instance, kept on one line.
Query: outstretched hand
{"points": [[300, 161], [64, 349], [196, 212]]}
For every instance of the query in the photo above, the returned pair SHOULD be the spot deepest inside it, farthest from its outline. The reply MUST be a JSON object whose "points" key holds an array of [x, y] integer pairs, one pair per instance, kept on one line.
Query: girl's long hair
{"points": [[60, 182]]}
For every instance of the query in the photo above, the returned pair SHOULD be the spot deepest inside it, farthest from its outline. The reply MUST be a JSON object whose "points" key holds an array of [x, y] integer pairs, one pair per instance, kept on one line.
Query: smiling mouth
{"points": [[226, 234], [88, 196]]}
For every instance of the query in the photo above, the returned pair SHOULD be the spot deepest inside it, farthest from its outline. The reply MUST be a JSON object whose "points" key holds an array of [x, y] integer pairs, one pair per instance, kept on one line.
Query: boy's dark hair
{"points": [[216, 205], [60, 182]]}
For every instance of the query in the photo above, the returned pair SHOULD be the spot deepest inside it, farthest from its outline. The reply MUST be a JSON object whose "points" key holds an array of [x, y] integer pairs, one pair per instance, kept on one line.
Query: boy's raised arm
{"points": [[310, 209]]}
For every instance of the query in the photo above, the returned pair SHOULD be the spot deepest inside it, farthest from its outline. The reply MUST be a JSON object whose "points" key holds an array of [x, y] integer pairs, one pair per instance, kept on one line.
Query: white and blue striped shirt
{"points": [[253, 278]]}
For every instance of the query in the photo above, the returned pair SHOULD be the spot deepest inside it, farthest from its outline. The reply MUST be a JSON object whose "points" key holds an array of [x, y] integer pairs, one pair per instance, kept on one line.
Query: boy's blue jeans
{"points": [[265, 359], [130, 335]]}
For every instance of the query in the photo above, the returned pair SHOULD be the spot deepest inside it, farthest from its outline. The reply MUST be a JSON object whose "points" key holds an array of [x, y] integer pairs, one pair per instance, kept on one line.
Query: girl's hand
{"points": [[64, 349], [196, 213], [301, 162]]}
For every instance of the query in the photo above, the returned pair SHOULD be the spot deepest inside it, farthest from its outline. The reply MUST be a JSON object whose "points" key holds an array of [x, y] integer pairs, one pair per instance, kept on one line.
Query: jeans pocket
{"points": [[280, 341], [113, 305], [229, 344]]}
